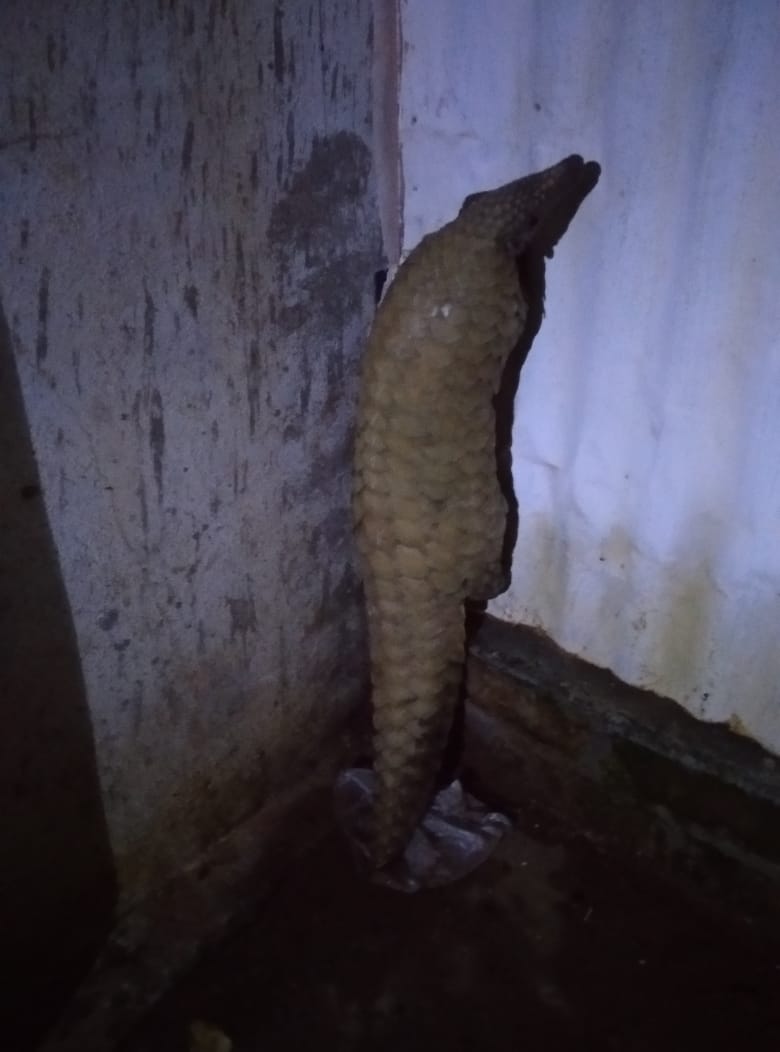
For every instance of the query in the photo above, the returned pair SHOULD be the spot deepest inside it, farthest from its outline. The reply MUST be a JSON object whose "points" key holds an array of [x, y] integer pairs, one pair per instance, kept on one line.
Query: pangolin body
{"points": [[430, 514]]}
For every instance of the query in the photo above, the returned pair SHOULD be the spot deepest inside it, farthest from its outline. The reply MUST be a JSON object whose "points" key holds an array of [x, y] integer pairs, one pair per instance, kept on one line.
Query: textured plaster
{"points": [[189, 236]]}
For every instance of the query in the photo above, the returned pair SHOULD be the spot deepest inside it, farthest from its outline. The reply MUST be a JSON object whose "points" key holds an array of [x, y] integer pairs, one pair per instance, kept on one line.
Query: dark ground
{"points": [[550, 945]]}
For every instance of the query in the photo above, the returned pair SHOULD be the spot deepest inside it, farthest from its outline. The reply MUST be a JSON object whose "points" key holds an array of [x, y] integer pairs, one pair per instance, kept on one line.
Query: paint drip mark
{"points": [[278, 44], [149, 312], [42, 342], [157, 440], [191, 299], [243, 618], [253, 385], [141, 494], [240, 282], [186, 150], [211, 21], [51, 52], [290, 140], [33, 124]]}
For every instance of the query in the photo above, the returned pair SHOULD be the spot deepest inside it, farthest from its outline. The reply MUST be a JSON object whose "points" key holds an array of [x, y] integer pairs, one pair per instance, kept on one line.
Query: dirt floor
{"points": [[549, 945]]}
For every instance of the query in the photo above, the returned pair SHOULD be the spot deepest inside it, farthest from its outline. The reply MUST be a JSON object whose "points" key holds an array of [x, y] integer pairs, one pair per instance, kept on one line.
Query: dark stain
{"points": [[211, 21], [29, 492], [76, 359], [88, 100], [143, 505], [243, 616], [290, 139], [80, 307], [149, 314], [278, 44], [253, 176], [291, 61], [304, 395], [240, 477], [157, 439], [335, 371], [240, 282], [51, 52], [321, 194], [334, 82], [138, 99], [189, 22], [107, 620], [315, 222], [32, 124], [42, 341], [24, 233], [186, 150], [253, 385], [191, 299], [260, 74]]}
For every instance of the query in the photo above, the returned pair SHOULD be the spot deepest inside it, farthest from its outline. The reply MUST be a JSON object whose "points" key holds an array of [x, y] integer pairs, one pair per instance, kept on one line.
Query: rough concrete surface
{"points": [[188, 239]]}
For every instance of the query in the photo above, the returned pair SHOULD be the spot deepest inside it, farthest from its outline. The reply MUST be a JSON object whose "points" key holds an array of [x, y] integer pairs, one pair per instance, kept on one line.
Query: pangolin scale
{"points": [[430, 514]]}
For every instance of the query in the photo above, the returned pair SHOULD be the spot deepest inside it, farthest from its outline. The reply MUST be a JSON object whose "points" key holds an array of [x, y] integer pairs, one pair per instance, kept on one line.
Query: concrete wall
{"points": [[188, 239], [648, 419]]}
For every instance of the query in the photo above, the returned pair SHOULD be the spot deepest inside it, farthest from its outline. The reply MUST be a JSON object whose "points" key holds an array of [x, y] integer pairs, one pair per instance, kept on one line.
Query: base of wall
{"points": [[627, 769], [159, 938]]}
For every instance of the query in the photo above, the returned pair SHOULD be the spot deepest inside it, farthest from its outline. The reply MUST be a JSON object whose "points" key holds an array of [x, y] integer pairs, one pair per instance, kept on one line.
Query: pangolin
{"points": [[430, 506]]}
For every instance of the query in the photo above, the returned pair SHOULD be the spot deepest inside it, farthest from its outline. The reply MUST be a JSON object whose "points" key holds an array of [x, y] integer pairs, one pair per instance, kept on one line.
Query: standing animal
{"points": [[432, 504]]}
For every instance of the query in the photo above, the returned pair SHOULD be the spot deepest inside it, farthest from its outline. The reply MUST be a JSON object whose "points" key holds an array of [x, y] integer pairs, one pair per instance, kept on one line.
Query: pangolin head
{"points": [[534, 210]]}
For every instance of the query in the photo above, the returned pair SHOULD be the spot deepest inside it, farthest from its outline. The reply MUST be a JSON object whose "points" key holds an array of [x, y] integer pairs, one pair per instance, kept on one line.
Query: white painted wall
{"points": [[647, 438]]}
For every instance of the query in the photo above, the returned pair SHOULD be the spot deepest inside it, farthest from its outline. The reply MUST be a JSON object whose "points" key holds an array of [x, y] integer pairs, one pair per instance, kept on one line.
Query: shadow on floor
{"points": [[56, 860]]}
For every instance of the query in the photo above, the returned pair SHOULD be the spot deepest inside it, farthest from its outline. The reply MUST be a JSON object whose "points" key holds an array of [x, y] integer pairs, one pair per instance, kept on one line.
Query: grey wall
{"points": [[188, 237]]}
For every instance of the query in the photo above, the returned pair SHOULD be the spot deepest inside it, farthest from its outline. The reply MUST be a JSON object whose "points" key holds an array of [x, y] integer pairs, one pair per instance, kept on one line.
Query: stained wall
{"points": [[188, 238]]}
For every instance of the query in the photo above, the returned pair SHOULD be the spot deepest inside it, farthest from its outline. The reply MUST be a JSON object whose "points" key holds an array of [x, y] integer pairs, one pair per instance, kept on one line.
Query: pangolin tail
{"points": [[414, 704]]}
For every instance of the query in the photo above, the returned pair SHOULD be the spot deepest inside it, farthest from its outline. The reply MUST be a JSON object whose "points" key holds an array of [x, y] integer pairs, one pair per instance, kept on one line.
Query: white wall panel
{"points": [[647, 436]]}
